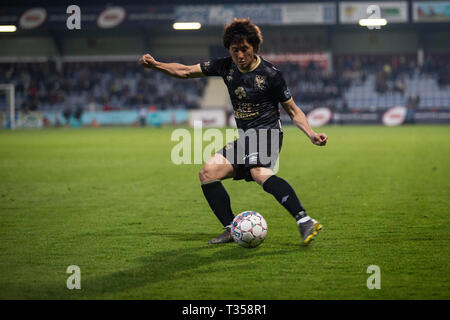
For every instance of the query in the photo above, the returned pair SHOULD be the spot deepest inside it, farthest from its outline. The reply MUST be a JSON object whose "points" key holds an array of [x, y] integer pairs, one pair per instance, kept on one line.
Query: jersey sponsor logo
{"points": [[245, 115], [240, 92], [394, 116], [246, 110]]}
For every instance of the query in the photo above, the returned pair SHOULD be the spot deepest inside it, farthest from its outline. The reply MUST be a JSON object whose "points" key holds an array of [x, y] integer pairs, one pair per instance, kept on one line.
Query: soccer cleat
{"points": [[223, 238], [308, 230]]}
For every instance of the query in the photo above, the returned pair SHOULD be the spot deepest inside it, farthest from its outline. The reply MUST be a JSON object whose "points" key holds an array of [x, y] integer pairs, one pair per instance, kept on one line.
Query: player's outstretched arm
{"points": [[176, 70], [300, 120]]}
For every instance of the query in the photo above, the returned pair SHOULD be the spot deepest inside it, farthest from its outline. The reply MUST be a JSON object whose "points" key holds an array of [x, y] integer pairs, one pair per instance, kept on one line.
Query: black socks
{"points": [[285, 195], [219, 201]]}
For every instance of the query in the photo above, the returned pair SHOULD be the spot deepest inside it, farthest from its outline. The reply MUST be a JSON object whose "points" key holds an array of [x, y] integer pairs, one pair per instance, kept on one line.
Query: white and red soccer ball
{"points": [[249, 229]]}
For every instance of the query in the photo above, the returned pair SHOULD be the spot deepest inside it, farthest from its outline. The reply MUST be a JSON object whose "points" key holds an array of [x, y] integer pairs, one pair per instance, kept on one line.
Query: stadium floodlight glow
{"points": [[372, 22], [10, 28], [187, 25]]}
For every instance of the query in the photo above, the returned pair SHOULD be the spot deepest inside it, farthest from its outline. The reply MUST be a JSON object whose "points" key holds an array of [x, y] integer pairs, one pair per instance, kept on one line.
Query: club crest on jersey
{"points": [[240, 92], [260, 82]]}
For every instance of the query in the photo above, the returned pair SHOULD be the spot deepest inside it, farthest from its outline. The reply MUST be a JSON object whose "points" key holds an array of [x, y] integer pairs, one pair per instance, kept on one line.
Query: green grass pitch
{"points": [[110, 201]]}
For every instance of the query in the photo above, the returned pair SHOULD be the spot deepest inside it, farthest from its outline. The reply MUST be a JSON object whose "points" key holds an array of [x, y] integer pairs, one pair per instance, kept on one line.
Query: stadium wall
{"points": [[436, 42], [198, 44], [365, 42], [110, 45], [182, 45], [42, 46]]}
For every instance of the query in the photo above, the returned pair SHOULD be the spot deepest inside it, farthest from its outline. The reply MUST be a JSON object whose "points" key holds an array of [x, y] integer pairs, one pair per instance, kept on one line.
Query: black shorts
{"points": [[254, 148]]}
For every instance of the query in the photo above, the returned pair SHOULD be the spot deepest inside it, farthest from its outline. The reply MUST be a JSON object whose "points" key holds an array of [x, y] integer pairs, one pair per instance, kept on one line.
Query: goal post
{"points": [[8, 89]]}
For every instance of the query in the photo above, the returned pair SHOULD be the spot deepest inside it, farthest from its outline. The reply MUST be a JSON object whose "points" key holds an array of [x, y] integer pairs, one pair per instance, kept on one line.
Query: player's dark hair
{"points": [[240, 30]]}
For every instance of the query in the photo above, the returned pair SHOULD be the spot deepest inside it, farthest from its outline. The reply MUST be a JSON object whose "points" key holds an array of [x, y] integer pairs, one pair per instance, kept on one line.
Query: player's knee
{"points": [[261, 174], [212, 172]]}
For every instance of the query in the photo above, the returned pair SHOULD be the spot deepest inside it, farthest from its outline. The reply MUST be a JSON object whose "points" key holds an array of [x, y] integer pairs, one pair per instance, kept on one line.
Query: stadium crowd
{"points": [[105, 86], [97, 86], [314, 86]]}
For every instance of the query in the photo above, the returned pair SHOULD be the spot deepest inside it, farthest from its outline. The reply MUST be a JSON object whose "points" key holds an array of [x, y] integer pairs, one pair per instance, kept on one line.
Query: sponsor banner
{"points": [[268, 14], [435, 116], [394, 116], [319, 117], [32, 18], [392, 11], [222, 14], [208, 118], [30, 120], [100, 17], [309, 13], [356, 118], [218, 118], [111, 17], [431, 11], [120, 118]]}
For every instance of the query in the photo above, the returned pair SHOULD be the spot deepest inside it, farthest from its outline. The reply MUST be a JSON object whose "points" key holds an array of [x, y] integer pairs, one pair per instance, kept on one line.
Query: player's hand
{"points": [[319, 139], [147, 61]]}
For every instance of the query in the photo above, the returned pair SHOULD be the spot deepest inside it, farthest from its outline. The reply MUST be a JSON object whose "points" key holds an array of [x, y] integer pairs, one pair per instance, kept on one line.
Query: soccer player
{"points": [[256, 87]]}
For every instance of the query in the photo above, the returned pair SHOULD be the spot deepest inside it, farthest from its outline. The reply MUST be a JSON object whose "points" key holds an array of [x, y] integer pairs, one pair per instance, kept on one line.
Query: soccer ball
{"points": [[249, 229]]}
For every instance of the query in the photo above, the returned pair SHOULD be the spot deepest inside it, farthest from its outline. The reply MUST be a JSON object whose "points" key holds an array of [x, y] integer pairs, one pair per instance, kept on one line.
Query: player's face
{"points": [[243, 54]]}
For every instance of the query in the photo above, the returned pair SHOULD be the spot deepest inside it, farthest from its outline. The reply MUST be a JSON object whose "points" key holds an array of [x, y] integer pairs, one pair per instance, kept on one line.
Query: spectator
{"points": [[92, 105], [143, 116], [67, 113], [78, 113], [399, 86]]}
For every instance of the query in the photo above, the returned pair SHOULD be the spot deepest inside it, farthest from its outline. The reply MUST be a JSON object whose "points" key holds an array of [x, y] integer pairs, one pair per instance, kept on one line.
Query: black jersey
{"points": [[255, 94]]}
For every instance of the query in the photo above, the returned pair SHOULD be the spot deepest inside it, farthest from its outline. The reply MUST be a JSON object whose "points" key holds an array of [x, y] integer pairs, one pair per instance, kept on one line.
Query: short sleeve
{"points": [[281, 90], [215, 67]]}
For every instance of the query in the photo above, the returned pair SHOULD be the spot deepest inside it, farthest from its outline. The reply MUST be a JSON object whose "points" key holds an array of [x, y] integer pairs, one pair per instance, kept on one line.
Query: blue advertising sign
{"points": [[269, 14], [431, 11]]}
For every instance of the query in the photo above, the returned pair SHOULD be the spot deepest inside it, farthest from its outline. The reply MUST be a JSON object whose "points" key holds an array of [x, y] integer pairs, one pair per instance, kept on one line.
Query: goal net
{"points": [[8, 115]]}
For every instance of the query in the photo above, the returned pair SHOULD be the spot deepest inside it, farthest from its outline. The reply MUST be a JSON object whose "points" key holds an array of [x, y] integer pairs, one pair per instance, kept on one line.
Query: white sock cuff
{"points": [[303, 220]]}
